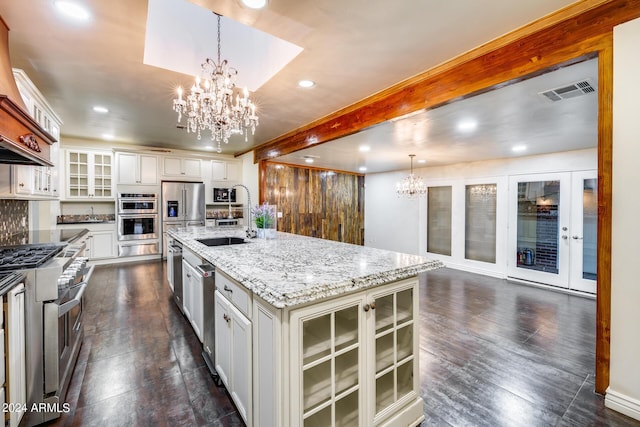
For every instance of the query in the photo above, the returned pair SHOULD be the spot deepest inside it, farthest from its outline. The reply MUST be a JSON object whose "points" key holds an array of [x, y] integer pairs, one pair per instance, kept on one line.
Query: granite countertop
{"points": [[292, 269]]}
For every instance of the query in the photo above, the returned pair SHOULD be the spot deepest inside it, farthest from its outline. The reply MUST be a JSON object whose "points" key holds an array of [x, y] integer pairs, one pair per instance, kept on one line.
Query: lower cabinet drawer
{"points": [[237, 294]]}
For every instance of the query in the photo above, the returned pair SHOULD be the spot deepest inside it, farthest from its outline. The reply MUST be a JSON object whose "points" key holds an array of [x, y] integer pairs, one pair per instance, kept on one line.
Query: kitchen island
{"points": [[311, 331]]}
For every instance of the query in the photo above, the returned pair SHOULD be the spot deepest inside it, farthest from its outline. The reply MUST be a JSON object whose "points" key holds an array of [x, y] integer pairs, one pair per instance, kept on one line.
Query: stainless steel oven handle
{"points": [[67, 306]]}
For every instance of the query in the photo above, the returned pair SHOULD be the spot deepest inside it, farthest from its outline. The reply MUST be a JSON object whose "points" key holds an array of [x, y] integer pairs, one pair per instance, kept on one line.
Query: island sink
{"points": [[221, 241]]}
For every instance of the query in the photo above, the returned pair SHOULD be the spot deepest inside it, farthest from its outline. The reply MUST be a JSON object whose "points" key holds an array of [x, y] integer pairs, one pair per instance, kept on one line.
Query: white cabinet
{"points": [[233, 338], [89, 175], [192, 296], [179, 167], [101, 244], [133, 168], [16, 392], [354, 360], [222, 170]]}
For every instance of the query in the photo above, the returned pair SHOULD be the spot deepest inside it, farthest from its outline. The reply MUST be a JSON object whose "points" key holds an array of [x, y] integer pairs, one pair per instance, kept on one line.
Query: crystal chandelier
{"points": [[412, 185], [210, 105]]}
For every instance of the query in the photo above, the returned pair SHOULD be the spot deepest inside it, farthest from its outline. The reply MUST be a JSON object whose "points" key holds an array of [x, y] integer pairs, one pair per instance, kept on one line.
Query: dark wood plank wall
{"points": [[316, 202]]}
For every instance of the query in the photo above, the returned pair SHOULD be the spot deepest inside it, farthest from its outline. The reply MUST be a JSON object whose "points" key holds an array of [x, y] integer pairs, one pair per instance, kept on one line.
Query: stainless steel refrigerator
{"points": [[182, 205]]}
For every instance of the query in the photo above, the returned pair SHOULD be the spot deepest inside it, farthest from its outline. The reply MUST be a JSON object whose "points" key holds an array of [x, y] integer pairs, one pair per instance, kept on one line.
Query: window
{"points": [[439, 220]]}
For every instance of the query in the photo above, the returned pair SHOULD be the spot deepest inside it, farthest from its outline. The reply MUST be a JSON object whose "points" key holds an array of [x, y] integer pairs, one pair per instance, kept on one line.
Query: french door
{"points": [[552, 229]]}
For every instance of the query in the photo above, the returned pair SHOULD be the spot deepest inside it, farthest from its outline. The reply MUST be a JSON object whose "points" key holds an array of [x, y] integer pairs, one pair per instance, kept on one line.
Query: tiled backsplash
{"points": [[14, 217]]}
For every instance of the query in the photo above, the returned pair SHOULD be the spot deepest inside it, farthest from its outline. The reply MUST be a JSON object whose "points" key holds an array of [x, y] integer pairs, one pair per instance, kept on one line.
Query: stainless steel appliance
{"points": [[182, 205], [138, 224], [56, 277], [137, 203], [226, 195], [174, 270]]}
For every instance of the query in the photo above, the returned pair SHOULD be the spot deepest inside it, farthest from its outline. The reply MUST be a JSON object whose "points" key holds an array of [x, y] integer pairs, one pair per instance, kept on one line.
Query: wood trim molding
{"points": [[605, 192]]}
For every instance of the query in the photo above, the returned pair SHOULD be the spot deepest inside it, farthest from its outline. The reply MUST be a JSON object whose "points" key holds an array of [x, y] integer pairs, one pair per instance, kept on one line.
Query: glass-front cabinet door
{"points": [[330, 359], [395, 351], [552, 229]]}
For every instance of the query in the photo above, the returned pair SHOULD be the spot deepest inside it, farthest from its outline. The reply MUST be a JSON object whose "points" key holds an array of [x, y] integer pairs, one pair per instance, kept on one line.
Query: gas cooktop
{"points": [[27, 256]]}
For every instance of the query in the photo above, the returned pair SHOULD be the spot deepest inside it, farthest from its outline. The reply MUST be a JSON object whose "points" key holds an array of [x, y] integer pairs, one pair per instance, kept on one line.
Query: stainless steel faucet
{"points": [[251, 233]]}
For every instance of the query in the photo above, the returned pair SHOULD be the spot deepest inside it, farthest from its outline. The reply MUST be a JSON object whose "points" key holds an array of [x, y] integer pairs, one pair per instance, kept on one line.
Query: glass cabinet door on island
{"points": [[356, 358]]}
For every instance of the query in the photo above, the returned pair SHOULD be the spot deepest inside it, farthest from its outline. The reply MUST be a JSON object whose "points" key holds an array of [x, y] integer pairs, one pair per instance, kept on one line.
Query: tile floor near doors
{"points": [[493, 353]]}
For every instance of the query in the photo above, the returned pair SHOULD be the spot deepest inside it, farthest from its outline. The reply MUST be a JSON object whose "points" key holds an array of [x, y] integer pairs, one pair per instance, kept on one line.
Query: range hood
{"points": [[22, 140]]}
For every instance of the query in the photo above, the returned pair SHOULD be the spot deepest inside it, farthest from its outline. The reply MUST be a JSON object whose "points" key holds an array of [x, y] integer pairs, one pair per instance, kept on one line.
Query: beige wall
{"points": [[624, 390]]}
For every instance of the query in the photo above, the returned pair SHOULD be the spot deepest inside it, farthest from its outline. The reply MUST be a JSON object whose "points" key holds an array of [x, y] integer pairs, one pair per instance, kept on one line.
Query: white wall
{"points": [[400, 224], [250, 176], [624, 389]]}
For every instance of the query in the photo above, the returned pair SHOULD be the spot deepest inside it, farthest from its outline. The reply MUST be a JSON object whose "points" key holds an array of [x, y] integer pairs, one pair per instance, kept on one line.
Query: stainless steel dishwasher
{"points": [[174, 270], [208, 312]]}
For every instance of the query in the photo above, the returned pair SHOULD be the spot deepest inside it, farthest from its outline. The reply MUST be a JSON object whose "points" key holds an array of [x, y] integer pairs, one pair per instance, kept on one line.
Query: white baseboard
{"points": [[473, 269], [623, 404]]}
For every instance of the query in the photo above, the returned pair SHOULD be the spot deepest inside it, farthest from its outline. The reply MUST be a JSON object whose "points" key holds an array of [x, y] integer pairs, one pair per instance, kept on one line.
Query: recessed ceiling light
{"points": [[255, 4], [467, 125], [306, 83], [108, 136], [519, 148], [100, 109], [362, 168], [73, 10], [308, 160], [422, 161], [364, 148]]}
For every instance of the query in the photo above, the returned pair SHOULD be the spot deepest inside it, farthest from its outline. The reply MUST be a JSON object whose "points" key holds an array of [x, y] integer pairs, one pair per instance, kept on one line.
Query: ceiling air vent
{"points": [[580, 88]]}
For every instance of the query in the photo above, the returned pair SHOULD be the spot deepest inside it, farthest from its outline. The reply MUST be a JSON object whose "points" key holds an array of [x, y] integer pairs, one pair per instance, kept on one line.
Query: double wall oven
{"points": [[56, 276], [138, 224]]}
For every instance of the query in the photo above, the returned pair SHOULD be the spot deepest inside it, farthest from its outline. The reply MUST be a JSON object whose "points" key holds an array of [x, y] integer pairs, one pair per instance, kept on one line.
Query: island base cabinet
{"points": [[354, 360], [233, 360]]}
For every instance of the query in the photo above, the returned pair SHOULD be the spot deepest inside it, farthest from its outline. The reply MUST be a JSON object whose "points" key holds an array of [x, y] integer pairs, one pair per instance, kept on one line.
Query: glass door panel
{"points": [[539, 229], [584, 231], [553, 229]]}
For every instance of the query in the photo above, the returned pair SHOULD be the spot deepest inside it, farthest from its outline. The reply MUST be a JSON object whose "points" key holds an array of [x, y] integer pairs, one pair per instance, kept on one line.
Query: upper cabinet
{"points": [[132, 168], [33, 182], [222, 170], [181, 167], [89, 174]]}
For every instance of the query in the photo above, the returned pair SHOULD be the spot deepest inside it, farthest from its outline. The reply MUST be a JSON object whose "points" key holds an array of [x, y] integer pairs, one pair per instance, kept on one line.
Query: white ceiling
{"points": [[352, 48]]}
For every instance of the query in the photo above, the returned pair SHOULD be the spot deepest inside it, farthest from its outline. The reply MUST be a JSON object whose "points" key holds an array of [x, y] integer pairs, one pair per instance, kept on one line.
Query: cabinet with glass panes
{"points": [[355, 359]]}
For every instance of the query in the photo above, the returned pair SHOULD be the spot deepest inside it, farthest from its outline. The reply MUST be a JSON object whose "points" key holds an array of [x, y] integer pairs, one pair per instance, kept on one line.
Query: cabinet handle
{"points": [[227, 318], [228, 289], [21, 185], [373, 305], [188, 275], [21, 291], [366, 307]]}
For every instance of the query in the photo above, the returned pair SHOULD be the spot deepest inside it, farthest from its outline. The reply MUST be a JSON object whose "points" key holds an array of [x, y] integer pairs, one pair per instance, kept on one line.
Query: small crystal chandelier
{"points": [[411, 186], [211, 106]]}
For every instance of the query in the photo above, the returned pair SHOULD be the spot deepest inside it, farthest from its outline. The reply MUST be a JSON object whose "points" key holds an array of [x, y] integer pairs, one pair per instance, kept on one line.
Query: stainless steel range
{"points": [[56, 278]]}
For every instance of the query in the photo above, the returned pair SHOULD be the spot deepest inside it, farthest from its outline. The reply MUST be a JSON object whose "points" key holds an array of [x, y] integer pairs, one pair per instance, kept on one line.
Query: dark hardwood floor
{"points": [[493, 353]]}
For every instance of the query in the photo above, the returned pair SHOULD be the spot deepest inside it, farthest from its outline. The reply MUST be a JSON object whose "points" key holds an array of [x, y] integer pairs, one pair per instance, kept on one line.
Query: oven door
{"points": [[137, 206], [63, 330], [137, 227]]}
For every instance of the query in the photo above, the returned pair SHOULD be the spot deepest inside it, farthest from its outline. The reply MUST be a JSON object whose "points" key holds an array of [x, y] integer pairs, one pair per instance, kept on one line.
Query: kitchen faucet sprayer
{"points": [[251, 233]]}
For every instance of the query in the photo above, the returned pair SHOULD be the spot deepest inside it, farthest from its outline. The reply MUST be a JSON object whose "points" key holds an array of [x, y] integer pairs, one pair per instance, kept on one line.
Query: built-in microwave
{"points": [[224, 194]]}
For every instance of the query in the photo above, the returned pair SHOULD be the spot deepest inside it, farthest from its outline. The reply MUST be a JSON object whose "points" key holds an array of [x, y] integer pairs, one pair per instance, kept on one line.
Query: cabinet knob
{"points": [[21, 185], [228, 289], [188, 275], [373, 305], [366, 307], [227, 318]]}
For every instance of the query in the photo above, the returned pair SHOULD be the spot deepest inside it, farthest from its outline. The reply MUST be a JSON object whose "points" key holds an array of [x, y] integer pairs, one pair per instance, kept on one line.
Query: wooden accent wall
{"points": [[580, 31], [316, 202]]}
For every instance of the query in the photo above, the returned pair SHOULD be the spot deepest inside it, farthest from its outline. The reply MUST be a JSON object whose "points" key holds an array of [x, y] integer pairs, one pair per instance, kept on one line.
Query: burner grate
{"points": [[26, 256]]}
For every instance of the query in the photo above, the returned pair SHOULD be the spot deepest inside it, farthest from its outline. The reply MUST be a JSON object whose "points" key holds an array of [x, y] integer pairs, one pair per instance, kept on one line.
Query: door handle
{"points": [[577, 238], [565, 237]]}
